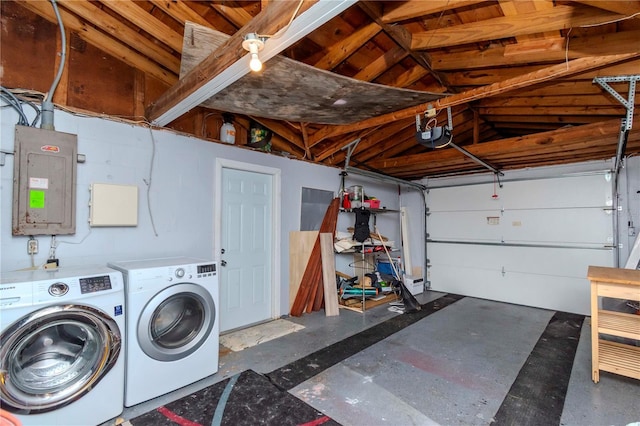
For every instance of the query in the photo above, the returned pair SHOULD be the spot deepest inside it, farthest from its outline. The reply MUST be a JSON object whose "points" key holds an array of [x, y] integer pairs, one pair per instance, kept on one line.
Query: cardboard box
{"points": [[415, 285]]}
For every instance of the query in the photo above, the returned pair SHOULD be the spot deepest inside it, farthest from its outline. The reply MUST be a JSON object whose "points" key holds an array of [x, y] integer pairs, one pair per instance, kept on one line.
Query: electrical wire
{"points": [[610, 22], [286, 27], [148, 182], [14, 102], [57, 243], [566, 49], [63, 48]]}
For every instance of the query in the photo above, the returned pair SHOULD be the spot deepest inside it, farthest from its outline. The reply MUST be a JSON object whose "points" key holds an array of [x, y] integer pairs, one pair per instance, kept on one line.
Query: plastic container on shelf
{"points": [[356, 193]]}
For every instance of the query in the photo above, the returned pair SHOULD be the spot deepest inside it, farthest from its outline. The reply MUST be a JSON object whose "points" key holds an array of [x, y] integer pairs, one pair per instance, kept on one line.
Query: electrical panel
{"points": [[44, 182]]}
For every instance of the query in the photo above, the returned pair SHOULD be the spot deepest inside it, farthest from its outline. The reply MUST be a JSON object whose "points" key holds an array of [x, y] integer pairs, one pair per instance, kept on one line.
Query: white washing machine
{"points": [[172, 324], [62, 358]]}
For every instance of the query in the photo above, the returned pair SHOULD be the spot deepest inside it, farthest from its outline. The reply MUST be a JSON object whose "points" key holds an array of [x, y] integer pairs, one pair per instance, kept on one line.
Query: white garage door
{"points": [[530, 245]]}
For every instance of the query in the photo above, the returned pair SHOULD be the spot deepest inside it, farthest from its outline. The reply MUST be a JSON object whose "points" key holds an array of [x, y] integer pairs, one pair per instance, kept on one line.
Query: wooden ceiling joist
{"points": [[415, 8], [137, 15], [103, 41], [539, 51], [124, 33], [558, 18]]}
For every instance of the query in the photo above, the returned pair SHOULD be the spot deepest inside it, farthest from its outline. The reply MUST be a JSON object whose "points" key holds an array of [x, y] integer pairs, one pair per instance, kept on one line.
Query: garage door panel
{"points": [[548, 292], [549, 226], [532, 245], [569, 191], [531, 260], [569, 226]]}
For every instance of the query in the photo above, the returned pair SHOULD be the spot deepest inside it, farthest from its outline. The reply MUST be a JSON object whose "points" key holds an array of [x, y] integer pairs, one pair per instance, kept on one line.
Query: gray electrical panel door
{"points": [[44, 182]]}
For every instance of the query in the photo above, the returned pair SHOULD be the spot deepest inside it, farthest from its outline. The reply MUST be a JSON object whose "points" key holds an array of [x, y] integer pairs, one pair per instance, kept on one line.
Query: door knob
{"points": [[223, 263]]}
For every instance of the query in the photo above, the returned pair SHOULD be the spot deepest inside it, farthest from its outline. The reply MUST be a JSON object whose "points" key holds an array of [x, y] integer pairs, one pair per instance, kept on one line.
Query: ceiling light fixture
{"points": [[253, 43]]}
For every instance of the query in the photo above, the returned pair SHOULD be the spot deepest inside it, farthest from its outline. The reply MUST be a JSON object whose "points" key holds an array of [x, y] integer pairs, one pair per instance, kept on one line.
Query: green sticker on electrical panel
{"points": [[36, 199]]}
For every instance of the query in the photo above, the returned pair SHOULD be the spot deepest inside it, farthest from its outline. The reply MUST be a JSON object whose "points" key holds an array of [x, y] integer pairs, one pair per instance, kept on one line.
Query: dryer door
{"points": [[176, 322], [53, 356]]}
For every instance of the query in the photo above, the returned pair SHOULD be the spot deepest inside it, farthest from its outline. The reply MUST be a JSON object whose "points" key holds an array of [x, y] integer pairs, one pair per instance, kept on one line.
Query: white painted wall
{"points": [[181, 196]]}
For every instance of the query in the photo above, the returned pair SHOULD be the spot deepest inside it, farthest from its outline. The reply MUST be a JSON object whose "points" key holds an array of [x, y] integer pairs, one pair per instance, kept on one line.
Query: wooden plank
{"points": [[550, 73], [179, 11], [294, 91], [313, 272], [625, 7], [342, 50], [612, 111], [368, 304], [547, 74], [494, 75], [538, 51], [329, 275], [300, 247], [382, 64], [614, 275], [102, 41], [599, 133], [135, 14], [555, 19], [400, 11], [511, 8], [120, 31]]}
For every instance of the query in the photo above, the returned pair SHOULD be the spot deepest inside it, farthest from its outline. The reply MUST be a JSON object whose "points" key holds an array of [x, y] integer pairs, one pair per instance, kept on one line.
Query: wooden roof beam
{"points": [[102, 41], [557, 18], [624, 7], [546, 50], [536, 77], [133, 13], [598, 132], [179, 11], [492, 76], [402, 37], [417, 8], [345, 48], [122, 32]]}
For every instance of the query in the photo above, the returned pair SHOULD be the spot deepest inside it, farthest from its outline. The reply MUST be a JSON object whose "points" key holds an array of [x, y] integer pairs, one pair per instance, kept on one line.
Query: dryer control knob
{"points": [[58, 289], [179, 272]]}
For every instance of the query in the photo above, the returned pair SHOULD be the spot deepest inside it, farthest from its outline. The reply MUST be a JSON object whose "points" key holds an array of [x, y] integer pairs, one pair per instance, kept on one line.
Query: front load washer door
{"points": [[176, 322], [53, 356]]}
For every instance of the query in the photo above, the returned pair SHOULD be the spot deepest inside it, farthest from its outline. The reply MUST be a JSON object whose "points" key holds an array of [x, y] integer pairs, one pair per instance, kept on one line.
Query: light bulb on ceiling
{"points": [[254, 43], [255, 64]]}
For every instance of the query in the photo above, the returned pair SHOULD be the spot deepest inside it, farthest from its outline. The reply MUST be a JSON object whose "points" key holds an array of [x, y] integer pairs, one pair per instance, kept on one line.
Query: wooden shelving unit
{"points": [[614, 357]]}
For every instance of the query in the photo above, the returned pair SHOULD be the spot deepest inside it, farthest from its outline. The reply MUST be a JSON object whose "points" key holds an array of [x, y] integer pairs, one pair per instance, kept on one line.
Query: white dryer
{"points": [[62, 354], [172, 324]]}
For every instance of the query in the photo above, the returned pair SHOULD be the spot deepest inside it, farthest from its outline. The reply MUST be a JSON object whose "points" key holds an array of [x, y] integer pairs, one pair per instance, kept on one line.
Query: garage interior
{"points": [[500, 139]]}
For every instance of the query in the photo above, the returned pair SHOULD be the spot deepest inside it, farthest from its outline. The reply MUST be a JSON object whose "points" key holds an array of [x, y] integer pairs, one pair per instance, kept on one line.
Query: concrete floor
{"points": [[453, 367]]}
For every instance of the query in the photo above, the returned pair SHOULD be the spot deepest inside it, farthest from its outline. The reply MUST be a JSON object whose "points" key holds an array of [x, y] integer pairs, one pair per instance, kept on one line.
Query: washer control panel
{"points": [[207, 270], [95, 284]]}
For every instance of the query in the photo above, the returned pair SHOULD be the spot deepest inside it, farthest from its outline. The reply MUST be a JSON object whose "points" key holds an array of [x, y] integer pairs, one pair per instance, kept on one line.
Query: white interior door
{"points": [[246, 243]]}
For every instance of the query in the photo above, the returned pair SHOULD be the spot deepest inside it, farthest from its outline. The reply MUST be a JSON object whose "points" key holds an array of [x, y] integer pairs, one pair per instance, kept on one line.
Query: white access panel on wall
{"points": [[530, 245], [113, 205]]}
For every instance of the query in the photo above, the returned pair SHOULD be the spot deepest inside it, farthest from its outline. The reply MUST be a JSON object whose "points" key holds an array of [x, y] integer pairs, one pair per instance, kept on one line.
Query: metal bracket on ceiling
{"points": [[350, 147], [627, 103], [627, 121]]}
